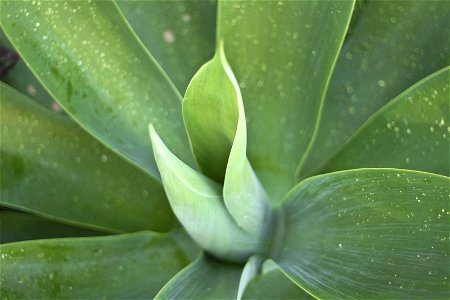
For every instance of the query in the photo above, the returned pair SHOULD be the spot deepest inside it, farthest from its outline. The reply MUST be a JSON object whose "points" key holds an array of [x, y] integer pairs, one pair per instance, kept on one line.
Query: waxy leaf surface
{"points": [[368, 233], [210, 112], [214, 116], [411, 132], [244, 195], [392, 45], [53, 168], [251, 269], [179, 34], [85, 54], [282, 53], [83, 268], [205, 278], [198, 203]]}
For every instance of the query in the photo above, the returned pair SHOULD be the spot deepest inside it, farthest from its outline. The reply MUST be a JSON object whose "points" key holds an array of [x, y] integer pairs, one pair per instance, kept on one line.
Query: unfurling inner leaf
{"points": [[210, 113], [243, 193], [233, 226], [198, 204]]}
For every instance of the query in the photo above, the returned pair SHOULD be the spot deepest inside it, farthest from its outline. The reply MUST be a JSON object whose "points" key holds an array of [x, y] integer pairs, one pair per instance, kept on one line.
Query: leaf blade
{"points": [[179, 34], [106, 106], [210, 113], [385, 54], [251, 269], [53, 168], [266, 48], [409, 132], [90, 267], [244, 195], [385, 229], [198, 204]]}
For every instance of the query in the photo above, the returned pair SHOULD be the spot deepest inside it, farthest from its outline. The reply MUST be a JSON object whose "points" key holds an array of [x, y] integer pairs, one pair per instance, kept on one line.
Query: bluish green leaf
{"points": [[180, 34], [91, 62], [49, 166], [90, 268], [206, 278], [369, 233], [393, 45], [197, 202], [17, 226], [273, 284], [282, 53], [210, 112], [244, 195], [411, 132], [251, 269], [214, 116]]}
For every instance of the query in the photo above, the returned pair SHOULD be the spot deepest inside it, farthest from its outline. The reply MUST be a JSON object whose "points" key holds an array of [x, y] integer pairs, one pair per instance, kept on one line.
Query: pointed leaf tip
{"points": [[244, 195], [210, 114], [215, 118]]}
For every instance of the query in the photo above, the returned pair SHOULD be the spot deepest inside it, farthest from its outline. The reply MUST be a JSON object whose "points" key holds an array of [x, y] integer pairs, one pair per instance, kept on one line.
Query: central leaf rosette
{"points": [[225, 208]]}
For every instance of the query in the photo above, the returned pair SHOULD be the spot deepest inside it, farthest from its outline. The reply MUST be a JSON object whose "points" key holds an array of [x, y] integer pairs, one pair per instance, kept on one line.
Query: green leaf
{"points": [[21, 78], [197, 202], [49, 166], [411, 132], [251, 269], [206, 278], [273, 284], [210, 112], [90, 268], [214, 119], [368, 233], [91, 62], [244, 195], [282, 53], [16, 226], [393, 45], [180, 34]]}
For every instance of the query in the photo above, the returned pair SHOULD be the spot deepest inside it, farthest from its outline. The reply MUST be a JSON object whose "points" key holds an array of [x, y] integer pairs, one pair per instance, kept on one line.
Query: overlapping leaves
{"points": [[387, 226]]}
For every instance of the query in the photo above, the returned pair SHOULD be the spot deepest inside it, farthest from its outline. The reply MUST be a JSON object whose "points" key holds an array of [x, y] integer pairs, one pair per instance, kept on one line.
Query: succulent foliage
{"points": [[308, 157]]}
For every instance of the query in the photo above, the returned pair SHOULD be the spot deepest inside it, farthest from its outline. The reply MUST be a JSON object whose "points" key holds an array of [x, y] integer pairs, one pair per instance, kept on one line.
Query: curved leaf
{"points": [[53, 168], [198, 204], [393, 45], [90, 268], [180, 34], [16, 226], [88, 58], [206, 278], [282, 53], [251, 269], [273, 284], [244, 195], [412, 132], [214, 116], [369, 233], [210, 112]]}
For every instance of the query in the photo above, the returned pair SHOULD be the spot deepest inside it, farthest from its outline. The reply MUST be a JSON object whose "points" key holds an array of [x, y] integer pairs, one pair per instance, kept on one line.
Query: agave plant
{"points": [[308, 158]]}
